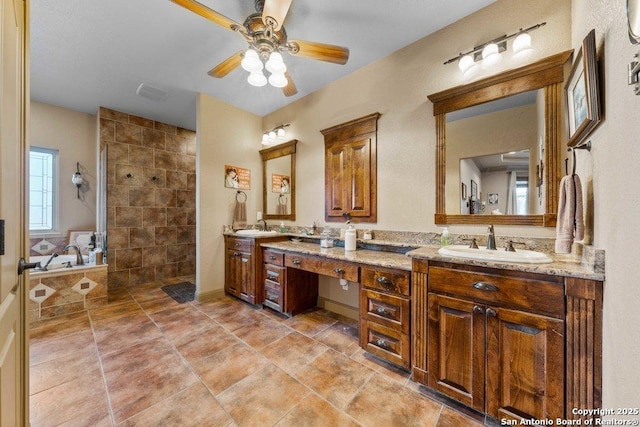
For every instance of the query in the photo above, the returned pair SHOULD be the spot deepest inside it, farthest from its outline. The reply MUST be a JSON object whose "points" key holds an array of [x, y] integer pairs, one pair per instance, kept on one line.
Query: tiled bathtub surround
{"points": [[66, 291], [151, 182]]}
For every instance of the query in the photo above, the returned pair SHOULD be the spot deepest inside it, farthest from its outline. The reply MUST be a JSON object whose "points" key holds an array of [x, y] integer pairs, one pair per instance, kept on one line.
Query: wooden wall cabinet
{"points": [[385, 314], [351, 170], [495, 340]]}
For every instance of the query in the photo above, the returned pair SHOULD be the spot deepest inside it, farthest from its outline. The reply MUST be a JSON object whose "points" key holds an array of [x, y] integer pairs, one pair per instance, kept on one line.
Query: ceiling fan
{"points": [[266, 37]]}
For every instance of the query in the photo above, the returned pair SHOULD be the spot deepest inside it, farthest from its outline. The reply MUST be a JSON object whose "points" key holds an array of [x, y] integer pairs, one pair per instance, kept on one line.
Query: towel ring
{"points": [[585, 146], [238, 194]]}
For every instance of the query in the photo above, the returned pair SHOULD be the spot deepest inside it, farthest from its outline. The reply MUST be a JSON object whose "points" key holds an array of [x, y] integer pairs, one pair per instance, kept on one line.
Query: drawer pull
{"points": [[236, 254], [338, 270], [272, 299], [273, 277], [296, 262], [383, 312], [484, 286], [478, 309], [238, 244], [387, 283], [382, 343], [491, 312], [272, 257]]}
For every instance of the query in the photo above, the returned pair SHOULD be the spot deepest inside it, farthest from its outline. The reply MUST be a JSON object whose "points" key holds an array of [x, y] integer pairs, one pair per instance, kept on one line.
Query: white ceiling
{"points": [[91, 53]]}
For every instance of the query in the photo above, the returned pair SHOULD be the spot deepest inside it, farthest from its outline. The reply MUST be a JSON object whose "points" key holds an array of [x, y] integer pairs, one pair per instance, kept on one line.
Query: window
{"points": [[522, 195], [42, 189]]}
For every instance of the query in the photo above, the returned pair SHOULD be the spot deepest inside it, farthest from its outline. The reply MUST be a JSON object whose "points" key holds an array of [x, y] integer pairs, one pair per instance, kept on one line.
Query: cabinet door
{"points": [[455, 361], [233, 273], [247, 284], [525, 365]]}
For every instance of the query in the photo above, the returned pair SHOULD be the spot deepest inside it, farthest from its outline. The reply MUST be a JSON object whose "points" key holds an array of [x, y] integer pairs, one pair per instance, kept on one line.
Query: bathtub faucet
{"points": [[44, 268], [79, 259]]}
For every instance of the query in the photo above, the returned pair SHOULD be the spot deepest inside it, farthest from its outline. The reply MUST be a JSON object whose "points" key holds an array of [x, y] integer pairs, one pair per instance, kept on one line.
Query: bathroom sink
{"points": [[520, 256], [256, 232]]}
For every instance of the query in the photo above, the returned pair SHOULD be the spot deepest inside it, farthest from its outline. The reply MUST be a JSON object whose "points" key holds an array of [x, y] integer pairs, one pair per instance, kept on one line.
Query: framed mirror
{"points": [[278, 177], [633, 20], [505, 149]]}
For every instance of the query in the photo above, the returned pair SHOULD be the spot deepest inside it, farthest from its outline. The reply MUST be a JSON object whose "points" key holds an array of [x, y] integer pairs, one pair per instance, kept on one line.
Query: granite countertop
{"points": [[360, 256], [557, 267]]}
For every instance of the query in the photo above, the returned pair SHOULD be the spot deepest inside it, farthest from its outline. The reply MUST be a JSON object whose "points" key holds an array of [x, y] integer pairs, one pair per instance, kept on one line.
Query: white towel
{"points": [[570, 221]]}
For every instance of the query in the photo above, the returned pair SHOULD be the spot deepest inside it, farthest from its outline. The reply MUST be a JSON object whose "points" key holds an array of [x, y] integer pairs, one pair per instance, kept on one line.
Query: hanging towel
{"points": [[240, 215], [570, 222], [282, 205]]}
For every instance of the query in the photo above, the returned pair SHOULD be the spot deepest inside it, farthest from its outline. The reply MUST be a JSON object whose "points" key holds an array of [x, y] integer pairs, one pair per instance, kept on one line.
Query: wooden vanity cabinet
{"points": [[385, 316], [243, 268], [287, 290]]}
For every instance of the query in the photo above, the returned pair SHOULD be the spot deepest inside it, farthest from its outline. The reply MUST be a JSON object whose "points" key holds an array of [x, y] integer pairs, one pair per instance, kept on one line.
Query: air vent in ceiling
{"points": [[152, 93]]}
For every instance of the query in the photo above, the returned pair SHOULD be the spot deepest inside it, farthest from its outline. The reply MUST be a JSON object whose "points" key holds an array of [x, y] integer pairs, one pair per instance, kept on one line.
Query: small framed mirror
{"points": [[633, 20], [278, 177]]}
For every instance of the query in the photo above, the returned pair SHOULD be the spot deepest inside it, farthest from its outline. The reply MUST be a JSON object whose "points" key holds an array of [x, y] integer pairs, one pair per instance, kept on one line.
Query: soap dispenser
{"points": [[350, 239], [445, 239]]}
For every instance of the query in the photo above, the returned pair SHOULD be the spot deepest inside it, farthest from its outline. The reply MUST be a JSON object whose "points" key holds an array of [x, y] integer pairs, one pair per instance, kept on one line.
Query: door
{"points": [[456, 351], [13, 344], [525, 365]]}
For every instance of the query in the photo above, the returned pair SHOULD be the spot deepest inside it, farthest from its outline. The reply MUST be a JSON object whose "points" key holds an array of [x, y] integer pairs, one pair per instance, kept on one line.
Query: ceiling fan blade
{"points": [[210, 14], [227, 66], [319, 51], [274, 12], [290, 89]]}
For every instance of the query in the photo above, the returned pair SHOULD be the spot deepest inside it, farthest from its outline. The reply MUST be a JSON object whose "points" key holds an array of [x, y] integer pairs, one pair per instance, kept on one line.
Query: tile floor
{"points": [[146, 360]]}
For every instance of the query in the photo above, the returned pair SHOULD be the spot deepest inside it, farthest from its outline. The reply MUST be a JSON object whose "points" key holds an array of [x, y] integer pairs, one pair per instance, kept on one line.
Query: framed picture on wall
{"points": [[463, 191], [493, 198], [474, 190], [81, 238], [582, 93]]}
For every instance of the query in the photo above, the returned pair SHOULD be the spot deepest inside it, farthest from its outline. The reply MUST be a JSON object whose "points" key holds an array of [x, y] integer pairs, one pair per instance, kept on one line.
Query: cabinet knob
{"points": [[272, 257], [236, 254], [382, 311], [491, 312], [484, 286], [338, 270], [382, 343], [478, 309], [296, 261]]}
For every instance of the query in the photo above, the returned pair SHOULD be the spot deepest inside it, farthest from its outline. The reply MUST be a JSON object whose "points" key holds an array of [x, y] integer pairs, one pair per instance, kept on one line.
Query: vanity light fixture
{"points": [[275, 65], [275, 134], [490, 53], [77, 178]]}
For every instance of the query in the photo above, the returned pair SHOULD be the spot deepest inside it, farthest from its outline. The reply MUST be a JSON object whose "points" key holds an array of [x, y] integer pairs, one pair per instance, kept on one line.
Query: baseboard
{"points": [[339, 308], [208, 296]]}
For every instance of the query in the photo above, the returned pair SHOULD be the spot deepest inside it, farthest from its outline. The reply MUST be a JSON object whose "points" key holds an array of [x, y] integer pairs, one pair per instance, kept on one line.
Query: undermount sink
{"points": [[256, 232], [520, 256]]}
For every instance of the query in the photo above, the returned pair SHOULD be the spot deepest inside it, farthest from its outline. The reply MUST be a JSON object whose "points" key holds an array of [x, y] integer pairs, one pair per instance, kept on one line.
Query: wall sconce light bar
{"points": [[634, 73], [276, 134], [481, 51]]}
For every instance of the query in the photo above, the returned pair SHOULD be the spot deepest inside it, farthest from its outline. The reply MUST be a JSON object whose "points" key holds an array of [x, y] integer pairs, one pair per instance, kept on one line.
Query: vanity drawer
{"points": [[386, 280], [274, 275], [241, 245], [532, 294], [273, 298], [387, 310], [386, 343], [273, 257], [331, 268]]}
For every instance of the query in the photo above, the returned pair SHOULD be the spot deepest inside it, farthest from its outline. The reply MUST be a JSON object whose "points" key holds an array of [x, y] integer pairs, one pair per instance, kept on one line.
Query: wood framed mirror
{"points": [[279, 181], [545, 76]]}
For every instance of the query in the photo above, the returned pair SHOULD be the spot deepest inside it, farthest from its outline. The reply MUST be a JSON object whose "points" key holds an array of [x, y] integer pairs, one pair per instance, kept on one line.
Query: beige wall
{"points": [[226, 135], [73, 134], [608, 175]]}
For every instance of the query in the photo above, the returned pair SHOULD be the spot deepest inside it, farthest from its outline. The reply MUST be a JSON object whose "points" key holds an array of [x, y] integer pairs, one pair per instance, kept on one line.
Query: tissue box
{"points": [[326, 243]]}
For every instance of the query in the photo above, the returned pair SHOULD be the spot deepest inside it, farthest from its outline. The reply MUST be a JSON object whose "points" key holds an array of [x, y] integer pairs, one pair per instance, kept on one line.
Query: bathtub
{"points": [[65, 287]]}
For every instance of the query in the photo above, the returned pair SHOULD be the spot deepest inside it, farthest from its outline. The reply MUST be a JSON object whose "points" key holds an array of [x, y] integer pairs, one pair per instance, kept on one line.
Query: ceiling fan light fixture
{"points": [[256, 78], [276, 64], [251, 61], [278, 80]]}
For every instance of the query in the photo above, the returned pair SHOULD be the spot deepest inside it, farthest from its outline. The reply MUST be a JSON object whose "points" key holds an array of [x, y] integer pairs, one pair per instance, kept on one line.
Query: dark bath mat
{"points": [[181, 292]]}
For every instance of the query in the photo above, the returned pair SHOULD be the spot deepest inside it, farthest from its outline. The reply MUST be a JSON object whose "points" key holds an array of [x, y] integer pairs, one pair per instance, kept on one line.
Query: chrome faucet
{"points": [[79, 259], [264, 227], [491, 239]]}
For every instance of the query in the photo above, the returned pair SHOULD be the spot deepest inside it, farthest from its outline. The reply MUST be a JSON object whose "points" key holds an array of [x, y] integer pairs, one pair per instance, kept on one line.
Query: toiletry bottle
{"points": [[282, 229], [445, 239], [350, 239]]}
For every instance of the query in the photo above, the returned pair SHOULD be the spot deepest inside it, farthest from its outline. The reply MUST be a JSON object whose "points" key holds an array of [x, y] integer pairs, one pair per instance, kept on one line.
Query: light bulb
{"points": [[257, 79], [77, 179], [466, 63], [272, 136], [278, 80], [522, 43], [275, 64], [281, 133], [265, 139], [251, 61]]}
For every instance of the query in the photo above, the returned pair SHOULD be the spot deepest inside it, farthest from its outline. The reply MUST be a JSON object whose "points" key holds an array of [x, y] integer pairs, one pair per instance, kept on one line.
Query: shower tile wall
{"points": [[151, 198]]}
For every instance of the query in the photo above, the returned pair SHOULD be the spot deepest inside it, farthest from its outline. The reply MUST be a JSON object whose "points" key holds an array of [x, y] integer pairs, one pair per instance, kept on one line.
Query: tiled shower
{"points": [[150, 207]]}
